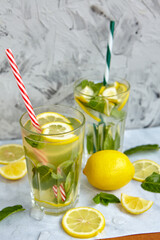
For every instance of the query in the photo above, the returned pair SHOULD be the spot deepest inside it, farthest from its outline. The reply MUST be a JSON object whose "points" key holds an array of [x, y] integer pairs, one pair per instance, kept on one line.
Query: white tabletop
{"points": [[21, 226]]}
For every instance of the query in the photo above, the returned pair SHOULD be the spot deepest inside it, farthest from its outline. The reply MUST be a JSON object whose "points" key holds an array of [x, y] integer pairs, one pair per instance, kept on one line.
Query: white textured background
{"points": [[57, 41]]}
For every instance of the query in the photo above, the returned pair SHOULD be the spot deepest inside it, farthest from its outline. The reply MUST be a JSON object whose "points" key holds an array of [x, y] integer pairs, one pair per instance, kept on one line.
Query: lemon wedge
{"points": [[111, 94], [144, 168], [15, 170], [47, 117], [10, 153], [83, 222], [135, 205], [58, 131], [87, 93]]}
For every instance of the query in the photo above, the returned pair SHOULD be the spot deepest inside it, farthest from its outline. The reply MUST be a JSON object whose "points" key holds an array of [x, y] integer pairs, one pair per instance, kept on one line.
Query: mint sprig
{"points": [[152, 183], [5, 212], [105, 198]]}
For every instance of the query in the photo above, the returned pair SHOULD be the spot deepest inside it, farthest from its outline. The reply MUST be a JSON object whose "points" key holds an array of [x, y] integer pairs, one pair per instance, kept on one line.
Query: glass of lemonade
{"points": [[54, 156], [105, 109]]}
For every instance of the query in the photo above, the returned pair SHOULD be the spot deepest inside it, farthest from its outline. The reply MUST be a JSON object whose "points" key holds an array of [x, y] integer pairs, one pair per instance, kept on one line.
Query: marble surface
{"points": [[21, 226], [56, 42]]}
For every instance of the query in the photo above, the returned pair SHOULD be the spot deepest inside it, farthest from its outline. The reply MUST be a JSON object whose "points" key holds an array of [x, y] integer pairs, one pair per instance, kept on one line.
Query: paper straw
{"points": [[22, 89], [108, 54], [55, 190], [63, 194]]}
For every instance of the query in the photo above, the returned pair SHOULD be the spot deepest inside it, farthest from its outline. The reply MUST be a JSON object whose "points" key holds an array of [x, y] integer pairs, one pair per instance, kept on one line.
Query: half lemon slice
{"points": [[83, 222], [144, 168], [135, 205], [58, 131], [10, 153], [48, 117], [15, 170], [87, 93]]}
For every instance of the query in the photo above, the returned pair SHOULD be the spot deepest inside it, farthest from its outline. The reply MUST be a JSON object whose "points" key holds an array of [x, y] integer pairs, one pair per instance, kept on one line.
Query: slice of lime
{"points": [[10, 153]]}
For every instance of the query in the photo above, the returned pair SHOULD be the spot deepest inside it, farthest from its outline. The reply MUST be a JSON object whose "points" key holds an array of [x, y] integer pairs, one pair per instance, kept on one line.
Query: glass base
{"points": [[37, 212]]}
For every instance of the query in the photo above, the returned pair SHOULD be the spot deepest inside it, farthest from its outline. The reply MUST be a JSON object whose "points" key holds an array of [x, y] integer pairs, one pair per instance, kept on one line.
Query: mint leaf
{"points": [[42, 178], [152, 183], [105, 202], [118, 114], [105, 198], [35, 141], [90, 143], [83, 84], [69, 181], [5, 212], [110, 197], [97, 104], [117, 141], [108, 142], [97, 199]]}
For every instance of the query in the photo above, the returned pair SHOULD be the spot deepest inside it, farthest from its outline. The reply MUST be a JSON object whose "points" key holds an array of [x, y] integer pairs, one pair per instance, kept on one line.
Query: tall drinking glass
{"points": [[105, 109], [54, 156]]}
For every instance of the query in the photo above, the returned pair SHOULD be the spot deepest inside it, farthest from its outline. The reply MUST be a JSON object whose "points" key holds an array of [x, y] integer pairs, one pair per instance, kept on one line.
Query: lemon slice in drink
{"points": [[108, 107], [14, 170], [123, 98], [58, 132], [47, 117], [10, 153], [83, 222], [87, 93], [135, 205], [144, 168], [85, 109], [111, 94]]}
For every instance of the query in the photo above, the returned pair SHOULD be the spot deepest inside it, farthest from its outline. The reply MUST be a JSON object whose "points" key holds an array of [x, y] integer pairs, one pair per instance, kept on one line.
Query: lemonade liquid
{"points": [[53, 167]]}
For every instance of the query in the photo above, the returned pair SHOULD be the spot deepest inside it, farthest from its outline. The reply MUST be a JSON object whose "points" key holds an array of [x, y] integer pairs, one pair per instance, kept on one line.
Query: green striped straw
{"points": [[109, 52]]}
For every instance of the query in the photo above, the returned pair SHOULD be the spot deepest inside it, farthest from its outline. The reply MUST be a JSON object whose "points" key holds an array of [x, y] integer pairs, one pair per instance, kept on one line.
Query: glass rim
{"points": [[102, 97], [58, 134]]}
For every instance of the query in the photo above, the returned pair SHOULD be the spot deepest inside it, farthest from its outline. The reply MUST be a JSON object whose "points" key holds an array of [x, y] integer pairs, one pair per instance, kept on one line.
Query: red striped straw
{"points": [[55, 190], [63, 194], [22, 89]]}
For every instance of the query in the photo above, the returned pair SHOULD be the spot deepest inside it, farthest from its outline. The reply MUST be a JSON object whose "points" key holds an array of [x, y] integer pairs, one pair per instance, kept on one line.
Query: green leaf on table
{"points": [[5, 212], [35, 141], [105, 198], [142, 148], [152, 183], [97, 199]]}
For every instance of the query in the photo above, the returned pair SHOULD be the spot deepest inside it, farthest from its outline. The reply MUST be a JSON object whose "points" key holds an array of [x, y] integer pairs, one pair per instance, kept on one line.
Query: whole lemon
{"points": [[109, 170]]}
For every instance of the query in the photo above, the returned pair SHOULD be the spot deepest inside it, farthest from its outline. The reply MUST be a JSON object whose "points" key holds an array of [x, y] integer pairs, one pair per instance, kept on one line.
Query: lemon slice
{"points": [[144, 168], [56, 131], [87, 111], [88, 93], [47, 117], [111, 94], [10, 153], [15, 170], [83, 222], [101, 90], [135, 205], [116, 84]]}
